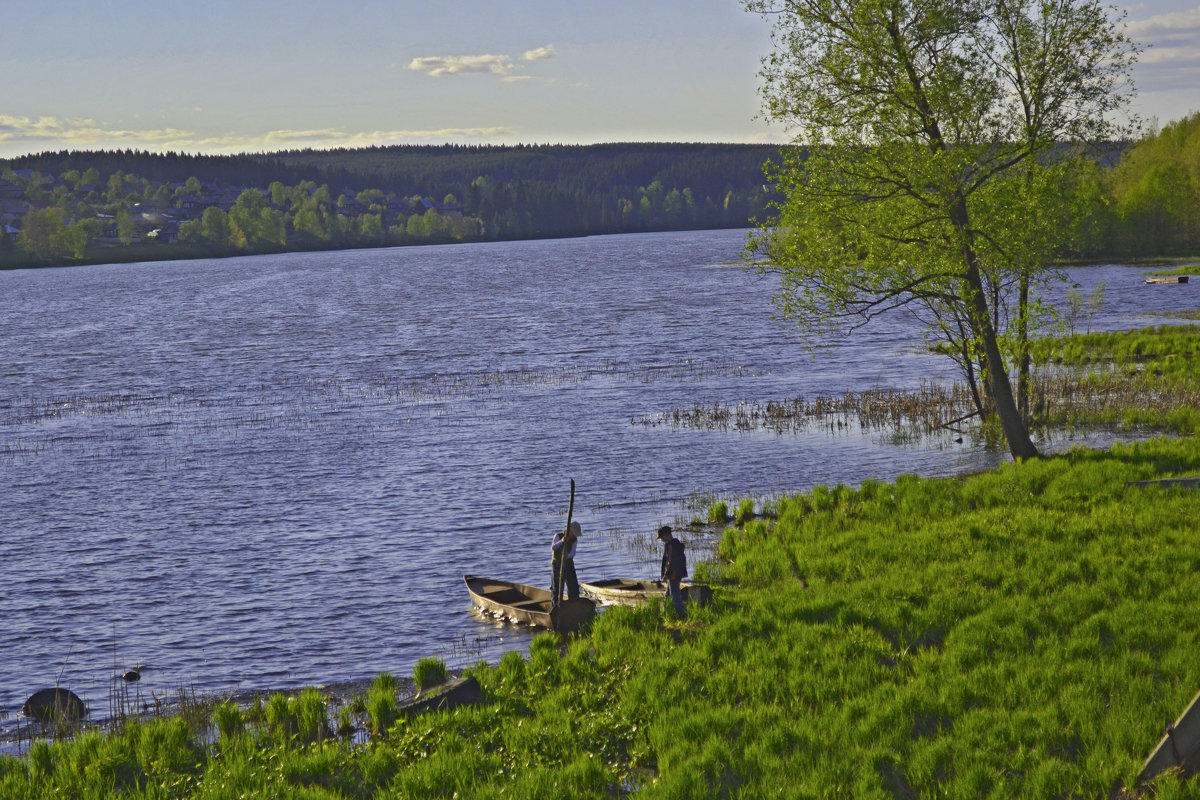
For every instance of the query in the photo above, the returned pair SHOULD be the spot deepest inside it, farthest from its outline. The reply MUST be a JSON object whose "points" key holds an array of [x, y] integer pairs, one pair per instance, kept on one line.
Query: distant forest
{"points": [[369, 197], [1135, 200]]}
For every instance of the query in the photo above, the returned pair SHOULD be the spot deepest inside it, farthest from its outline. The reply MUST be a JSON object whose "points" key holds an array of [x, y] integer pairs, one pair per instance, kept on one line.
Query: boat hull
{"points": [[632, 592], [528, 605]]}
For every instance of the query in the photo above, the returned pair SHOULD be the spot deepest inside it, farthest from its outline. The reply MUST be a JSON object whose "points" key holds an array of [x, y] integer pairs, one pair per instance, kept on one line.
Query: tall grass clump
{"points": [[382, 708], [228, 720], [718, 512], [304, 717], [429, 672]]}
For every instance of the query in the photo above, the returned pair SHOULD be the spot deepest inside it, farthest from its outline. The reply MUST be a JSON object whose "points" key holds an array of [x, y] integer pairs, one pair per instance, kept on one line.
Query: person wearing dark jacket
{"points": [[674, 568]]}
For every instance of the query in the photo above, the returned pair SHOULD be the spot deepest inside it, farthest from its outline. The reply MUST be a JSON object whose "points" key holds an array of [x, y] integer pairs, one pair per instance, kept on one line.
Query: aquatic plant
{"points": [[429, 672], [382, 708], [718, 512], [303, 717], [1139, 379], [347, 722], [227, 717]]}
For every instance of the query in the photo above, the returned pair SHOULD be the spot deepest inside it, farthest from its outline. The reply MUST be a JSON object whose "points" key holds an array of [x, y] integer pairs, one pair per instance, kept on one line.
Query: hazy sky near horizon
{"points": [[229, 76]]}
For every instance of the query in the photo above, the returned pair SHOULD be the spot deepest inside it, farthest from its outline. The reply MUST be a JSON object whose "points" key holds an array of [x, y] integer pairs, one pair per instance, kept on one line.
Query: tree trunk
{"points": [[1015, 432]]}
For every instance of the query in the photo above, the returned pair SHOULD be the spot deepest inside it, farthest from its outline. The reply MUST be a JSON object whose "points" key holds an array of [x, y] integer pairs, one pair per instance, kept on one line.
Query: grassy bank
{"points": [[1025, 633]]}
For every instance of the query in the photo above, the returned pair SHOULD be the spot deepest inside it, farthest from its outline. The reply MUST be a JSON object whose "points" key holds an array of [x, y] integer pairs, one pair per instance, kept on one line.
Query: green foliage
{"points": [[744, 512], [384, 682], [41, 760], [1189, 269], [429, 672], [227, 718], [284, 201], [311, 715], [302, 717], [46, 236], [936, 186], [382, 708], [718, 512], [1137, 379], [1155, 191]]}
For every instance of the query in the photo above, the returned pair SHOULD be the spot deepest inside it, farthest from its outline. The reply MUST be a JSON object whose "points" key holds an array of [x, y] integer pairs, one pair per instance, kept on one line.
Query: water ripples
{"points": [[270, 472]]}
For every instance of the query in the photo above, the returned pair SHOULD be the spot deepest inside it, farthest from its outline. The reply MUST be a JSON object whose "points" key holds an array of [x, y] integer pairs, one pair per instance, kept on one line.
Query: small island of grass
{"points": [[1188, 269]]}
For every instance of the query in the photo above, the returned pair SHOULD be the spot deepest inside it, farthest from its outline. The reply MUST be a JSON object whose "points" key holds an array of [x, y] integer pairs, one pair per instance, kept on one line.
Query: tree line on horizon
{"points": [[379, 196], [1146, 203]]}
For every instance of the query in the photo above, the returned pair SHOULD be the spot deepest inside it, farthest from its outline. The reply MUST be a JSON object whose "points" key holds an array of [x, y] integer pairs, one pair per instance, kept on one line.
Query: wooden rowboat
{"points": [[1179, 746], [530, 605], [630, 591]]}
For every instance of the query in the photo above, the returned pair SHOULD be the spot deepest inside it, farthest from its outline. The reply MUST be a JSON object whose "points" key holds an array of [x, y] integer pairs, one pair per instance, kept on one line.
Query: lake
{"points": [[272, 472]]}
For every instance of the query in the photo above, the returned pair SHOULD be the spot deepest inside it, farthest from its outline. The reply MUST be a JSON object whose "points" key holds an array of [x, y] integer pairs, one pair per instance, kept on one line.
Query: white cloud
{"points": [[499, 65], [80, 131], [1167, 74], [540, 54], [22, 135], [1168, 37], [1165, 22], [437, 66]]}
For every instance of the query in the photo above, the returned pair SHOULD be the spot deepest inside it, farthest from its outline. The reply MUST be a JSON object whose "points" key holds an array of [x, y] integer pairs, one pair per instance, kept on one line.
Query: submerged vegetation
{"points": [[1131, 380], [1020, 633]]}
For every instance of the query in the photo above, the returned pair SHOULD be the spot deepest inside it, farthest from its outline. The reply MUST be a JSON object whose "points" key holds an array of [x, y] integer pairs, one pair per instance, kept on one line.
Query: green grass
{"points": [[381, 706], [1142, 379], [1172, 349], [429, 672], [1026, 632], [744, 512], [1187, 269]]}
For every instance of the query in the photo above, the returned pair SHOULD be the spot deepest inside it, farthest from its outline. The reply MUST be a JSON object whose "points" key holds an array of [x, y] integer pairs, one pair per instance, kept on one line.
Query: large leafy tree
{"points": [[925, 133]]}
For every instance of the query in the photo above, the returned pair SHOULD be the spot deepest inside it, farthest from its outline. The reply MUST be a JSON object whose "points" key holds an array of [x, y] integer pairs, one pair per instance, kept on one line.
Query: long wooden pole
{"points": [[562, 559]]}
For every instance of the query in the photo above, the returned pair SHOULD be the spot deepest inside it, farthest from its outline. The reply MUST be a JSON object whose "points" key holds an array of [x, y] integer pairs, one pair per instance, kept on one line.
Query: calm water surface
{"points": [[272, 472]]}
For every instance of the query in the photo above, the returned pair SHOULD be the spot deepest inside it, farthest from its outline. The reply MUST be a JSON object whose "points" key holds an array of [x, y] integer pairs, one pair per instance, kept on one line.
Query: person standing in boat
{"points": [[674, 568], [562, 563]]}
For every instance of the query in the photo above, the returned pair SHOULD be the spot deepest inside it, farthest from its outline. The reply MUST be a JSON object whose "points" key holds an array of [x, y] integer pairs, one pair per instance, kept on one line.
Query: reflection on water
{"points": [[269, 472]]}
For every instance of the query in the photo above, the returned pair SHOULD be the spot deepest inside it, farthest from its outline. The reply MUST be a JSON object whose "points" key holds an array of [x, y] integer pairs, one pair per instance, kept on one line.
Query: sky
{"points": [[232, 76]]}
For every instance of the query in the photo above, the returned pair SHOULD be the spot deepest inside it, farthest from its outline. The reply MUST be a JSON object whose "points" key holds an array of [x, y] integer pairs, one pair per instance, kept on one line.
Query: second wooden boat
{"points": [[631, 591], [1179, 746], [530, 605]]}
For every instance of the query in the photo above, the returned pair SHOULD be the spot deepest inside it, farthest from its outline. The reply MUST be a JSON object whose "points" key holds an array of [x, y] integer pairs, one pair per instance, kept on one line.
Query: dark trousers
{"points": [[675, 595], [565, 575]]}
